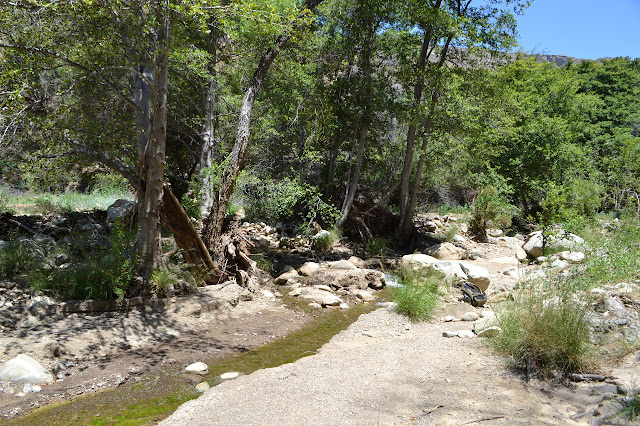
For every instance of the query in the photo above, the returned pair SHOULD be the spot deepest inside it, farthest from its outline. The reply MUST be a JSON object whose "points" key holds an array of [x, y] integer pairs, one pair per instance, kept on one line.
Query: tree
{"points": [[447, 28]]}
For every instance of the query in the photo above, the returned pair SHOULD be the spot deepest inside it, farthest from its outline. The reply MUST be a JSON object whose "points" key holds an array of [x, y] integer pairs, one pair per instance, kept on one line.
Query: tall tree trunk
{"points": [[213, 223], [210, 124], [405, 224], [366, 122], [152, 168]]}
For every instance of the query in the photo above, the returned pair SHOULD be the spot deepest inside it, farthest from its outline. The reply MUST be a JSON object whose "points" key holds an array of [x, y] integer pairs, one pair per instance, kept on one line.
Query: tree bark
{"points": [[187, 238]]}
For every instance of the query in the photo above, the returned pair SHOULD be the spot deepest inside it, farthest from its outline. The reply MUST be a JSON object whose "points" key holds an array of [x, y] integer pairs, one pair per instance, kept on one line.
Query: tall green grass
{"points": [[419, 295]]}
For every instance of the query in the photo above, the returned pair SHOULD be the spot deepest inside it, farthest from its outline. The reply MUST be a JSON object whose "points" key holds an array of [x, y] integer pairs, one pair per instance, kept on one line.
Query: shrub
{"points": [[14, 260], [377, 246], [545, 329], [490, 208], [418, 296], [166, 276], [630, 406], [103, 275]]}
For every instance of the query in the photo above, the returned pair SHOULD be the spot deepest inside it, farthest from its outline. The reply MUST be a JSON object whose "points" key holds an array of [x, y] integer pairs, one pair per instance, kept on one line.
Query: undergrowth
{"points": [[545, 329], [418, 296]]}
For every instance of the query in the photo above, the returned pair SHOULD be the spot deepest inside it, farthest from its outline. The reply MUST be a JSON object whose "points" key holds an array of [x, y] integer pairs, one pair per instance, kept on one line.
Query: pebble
{"points": [[466, 334], [470, 316], [202, 387], [198, 368], [448, 318]]}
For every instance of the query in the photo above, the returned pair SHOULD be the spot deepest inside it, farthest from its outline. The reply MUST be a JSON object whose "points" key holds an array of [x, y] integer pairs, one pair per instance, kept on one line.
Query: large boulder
{"points": [[417, 263], [288, 274], [450, 269], [360, 278], [309, 268], [120, 209], [562, 240], [41, 306], [319, 296], [477, 275], [533, 244], [24, 369], [447, 251], [342, 264]]}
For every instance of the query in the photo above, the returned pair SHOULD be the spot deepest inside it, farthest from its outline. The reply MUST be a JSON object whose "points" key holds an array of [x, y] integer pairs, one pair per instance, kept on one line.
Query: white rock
{"points": [[450, 269], [198, 368], [486, 314], [41, 306], [470, 316], [512, 272], [477, 275], [355, 260], [484, 323], [309, 268], [323, 287], [315, 305], [268, 294], [365, 296], [24, 369], [459, 238], [506, 260], [533, 244], [447, 251], [342, 264], [450, 333], [330, 300], [295, 292], [344, 306], [202, 387], [28, 387], [288, 274], [230, 375], [559, 264], [564, 240], [448, 318], [492, 232], [417, 262], [466, 334], [572, 256]]}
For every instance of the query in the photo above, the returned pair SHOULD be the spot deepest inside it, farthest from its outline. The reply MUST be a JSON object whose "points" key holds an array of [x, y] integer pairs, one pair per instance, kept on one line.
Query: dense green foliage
{"points": [[418, 295]]}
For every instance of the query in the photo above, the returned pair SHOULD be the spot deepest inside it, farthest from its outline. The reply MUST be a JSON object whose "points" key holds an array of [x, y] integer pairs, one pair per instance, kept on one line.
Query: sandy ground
{"points": [[384, 370]]}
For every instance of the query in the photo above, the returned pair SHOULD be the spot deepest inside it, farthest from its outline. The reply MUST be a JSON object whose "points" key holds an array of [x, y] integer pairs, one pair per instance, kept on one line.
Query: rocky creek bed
{"points": [[90, 346]]}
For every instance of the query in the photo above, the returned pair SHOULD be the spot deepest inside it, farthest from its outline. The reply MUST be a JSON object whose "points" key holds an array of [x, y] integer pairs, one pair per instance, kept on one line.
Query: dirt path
{"points": [[385, 370]]}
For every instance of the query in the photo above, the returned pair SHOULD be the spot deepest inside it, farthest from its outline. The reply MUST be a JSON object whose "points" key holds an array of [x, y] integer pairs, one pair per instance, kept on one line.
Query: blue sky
{"points": [[585, 29]]}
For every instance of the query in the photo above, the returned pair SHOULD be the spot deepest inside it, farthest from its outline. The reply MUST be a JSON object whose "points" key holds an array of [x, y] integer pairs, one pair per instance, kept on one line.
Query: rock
{"points": [[309, 268], [344, 305], [202, 387], [459, 238], [450, 333], [614, 305], [60, 259], [120, 209], [491, 232], [541, 259], [268, 294], [29, 248], [533, 244], [41, 306], [450, 269], [295, 292], [24, 369], [572, 256], [507, 260], [360, 278], [323, 287], [198, 368], [470, 316], [490, 332], [365, 296], [466, 334], [315, 305], [484, 323], [477, 275], [356, 261], [28, 387], [262, 243], [447, 251], [420, 263], [232, 375], [448, 318], [288, 274], [342, 264], [562, 240], [328, 299], [320, 297], [559, 264]]}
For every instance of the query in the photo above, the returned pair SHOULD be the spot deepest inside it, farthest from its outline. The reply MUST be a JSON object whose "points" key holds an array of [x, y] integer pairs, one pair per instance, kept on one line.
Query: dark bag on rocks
{"points": [[473, 295]]}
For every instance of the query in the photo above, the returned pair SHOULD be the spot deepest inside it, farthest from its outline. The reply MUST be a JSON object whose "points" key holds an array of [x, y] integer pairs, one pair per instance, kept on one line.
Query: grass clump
{"points": [[545, 330], [418, 296], [630, 406], [323, 240]]}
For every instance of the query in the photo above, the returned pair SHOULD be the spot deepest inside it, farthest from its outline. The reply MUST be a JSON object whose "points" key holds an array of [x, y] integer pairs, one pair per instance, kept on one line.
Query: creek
{"points": [[152, 397]]}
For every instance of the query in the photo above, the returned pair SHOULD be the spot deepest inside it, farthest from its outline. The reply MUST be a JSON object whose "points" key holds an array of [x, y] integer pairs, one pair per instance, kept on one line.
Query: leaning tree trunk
{"points": [[213, 223], [187, 238]]}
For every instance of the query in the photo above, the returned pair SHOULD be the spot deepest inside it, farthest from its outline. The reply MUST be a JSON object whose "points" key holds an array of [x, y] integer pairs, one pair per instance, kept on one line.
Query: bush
{"points": [[418, 296], [490, 208], [103, 275], [545, 330], [15, 260], [284, 200], [323, 240], [377, 247]]}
